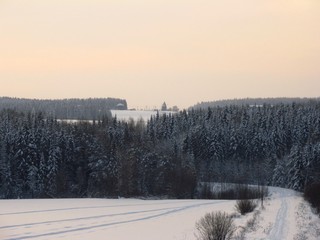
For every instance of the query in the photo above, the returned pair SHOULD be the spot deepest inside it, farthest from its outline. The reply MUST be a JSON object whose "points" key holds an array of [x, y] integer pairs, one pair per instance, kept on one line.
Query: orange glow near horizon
{"points": [[181, 52]]}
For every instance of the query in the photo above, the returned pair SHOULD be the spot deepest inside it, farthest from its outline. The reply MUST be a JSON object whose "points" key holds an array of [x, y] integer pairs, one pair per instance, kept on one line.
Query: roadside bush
{"points": [[245, 206], [312, 195], [215, 226]]}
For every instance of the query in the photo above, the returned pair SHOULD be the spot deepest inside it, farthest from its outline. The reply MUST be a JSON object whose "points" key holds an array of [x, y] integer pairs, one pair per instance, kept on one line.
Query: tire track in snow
{"points": [[83, 218], [166, 213], [280, 224], [83, 208]]}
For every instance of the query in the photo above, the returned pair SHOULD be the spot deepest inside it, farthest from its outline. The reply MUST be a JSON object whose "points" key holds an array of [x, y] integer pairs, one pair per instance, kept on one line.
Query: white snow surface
{"points": [[285, 216], [125, 115]]}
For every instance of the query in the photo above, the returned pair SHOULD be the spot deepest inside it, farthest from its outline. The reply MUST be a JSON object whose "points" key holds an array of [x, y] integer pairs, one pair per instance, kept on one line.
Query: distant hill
{"points": [[82, 109], [251, 101]]}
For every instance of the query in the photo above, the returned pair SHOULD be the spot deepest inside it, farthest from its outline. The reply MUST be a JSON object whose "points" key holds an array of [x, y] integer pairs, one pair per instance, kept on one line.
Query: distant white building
{"points": [[121, 106]]}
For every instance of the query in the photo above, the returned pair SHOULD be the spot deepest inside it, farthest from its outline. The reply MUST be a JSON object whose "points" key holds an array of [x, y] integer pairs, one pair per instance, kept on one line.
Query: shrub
{"points": [[245, 206], [215, 226], [312, 195]]}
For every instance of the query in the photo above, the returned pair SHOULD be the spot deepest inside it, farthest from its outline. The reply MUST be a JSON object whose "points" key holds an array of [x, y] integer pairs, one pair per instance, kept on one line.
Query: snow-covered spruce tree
{"points": [[33, 181], [102, 180], [280, 173], [295, 167], [5, 170], [53, 168], [312, 158]]}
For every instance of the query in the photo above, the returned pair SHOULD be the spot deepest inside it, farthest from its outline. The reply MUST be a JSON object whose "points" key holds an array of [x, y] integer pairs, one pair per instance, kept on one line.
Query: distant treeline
{"points": [[252, 102], [271, 144], [81, 109]]}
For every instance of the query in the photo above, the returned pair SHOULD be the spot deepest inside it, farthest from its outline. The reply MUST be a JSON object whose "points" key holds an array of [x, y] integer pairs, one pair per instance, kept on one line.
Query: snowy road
{"points": [[280, 226], [282, 218]]}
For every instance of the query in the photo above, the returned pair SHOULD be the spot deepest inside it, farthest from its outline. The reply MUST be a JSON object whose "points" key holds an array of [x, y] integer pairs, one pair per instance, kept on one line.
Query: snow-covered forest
{"points": [[81, 109], [251, 102], [167, 156]]}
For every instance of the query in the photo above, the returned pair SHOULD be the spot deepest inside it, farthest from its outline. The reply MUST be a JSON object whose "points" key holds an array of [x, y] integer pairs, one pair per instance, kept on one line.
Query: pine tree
{"points": [[5, 170], [280, 173]]}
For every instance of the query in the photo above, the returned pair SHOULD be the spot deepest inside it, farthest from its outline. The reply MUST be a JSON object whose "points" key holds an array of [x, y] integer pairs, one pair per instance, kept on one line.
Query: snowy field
{"points": [[286, 216], [126, 115], [136, 114]]}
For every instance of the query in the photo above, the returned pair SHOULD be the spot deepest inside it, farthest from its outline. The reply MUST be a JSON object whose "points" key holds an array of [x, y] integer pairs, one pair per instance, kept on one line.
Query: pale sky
{"points": [[150, 51]]}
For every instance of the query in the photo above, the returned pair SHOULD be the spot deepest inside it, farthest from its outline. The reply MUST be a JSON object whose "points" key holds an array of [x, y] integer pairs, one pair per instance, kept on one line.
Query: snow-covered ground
{"points": [[126, 115], [136, 114], [286, 216]]}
